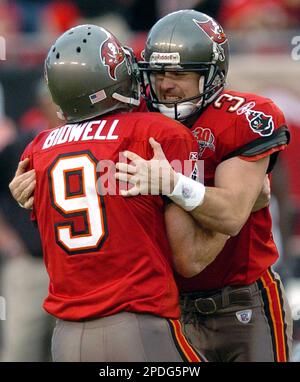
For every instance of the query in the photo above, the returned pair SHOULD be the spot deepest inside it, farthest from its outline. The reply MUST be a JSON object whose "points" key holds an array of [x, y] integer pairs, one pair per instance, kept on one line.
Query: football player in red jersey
{"points": [[237, 302], [109, 262]]}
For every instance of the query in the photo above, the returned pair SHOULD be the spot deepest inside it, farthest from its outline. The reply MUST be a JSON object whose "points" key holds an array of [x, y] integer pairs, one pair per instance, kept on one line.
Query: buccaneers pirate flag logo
{"points": [[259, 122], [111, 55], [216, 34], [213, 30]]}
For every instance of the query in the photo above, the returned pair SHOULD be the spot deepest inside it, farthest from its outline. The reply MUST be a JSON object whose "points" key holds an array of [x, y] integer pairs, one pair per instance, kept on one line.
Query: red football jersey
{"points": [[104, 253], [252, 127]]}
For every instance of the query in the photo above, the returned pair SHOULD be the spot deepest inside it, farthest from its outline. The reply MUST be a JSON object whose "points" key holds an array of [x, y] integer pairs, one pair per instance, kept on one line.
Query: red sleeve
{"points": [[260, 131], [27, 153]]}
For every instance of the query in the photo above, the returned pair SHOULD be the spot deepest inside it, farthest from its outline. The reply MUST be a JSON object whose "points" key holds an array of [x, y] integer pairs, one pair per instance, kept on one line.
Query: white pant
{"points": [[25, 331]]}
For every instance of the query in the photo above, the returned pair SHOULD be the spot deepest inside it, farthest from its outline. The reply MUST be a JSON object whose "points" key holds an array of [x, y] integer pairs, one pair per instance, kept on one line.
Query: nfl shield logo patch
{"points": [[244, 316]]}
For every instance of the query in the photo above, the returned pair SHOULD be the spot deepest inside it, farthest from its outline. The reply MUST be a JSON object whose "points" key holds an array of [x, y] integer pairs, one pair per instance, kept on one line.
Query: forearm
{"points": [[193, 247], [226, 207], [218, 209], [206, 247], [221, 211]]}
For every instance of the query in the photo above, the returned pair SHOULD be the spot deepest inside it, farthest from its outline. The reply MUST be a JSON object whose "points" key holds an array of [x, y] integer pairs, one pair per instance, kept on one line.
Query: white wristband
{"points": [[188, 194]]}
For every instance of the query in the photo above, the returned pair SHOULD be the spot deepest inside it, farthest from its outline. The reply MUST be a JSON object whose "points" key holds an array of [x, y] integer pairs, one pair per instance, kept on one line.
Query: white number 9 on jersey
{"points": [[81, 200]]}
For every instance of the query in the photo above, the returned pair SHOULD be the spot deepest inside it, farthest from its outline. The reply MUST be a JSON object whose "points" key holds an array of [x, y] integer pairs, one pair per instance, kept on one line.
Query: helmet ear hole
{"points": [[57, 56], [78, 50]]}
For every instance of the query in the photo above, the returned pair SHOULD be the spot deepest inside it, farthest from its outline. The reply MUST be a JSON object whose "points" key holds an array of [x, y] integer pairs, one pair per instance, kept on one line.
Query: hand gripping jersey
{"points": [[104, 253], [250, 127]]}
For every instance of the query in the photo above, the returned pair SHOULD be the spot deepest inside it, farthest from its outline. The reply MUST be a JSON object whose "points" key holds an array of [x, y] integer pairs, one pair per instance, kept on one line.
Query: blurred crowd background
{"points": [[265, 59]]}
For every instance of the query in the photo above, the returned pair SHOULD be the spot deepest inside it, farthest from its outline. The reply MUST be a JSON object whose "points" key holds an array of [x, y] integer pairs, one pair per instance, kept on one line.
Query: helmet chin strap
{"points": [[184, 109], [129, 100]]}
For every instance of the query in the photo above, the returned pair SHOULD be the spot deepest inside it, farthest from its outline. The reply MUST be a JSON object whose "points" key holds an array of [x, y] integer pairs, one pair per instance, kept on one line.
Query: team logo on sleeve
{"points": [[205, 139], [259, 122], [111, 55]]}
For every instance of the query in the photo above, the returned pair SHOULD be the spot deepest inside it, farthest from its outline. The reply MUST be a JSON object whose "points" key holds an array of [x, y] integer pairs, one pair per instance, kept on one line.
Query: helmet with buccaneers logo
{"points": [[89, 73], [185, 41]]}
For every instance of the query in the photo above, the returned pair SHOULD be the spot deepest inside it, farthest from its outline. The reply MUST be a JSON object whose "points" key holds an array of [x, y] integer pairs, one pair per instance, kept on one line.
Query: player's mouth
{"points": [[171, 98]]}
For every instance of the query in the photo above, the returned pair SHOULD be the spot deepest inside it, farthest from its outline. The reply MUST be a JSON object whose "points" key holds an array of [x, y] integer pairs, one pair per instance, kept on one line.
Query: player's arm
{"points": [[23, 184], [264, 197], [226, 207], [193, 247], [223, 208]]}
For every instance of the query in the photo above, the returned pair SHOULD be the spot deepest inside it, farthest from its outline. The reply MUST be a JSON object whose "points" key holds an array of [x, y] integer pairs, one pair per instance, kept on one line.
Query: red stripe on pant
{"points": [[275, 308], [187, 351]]}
